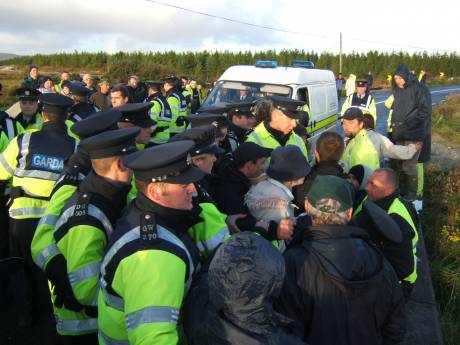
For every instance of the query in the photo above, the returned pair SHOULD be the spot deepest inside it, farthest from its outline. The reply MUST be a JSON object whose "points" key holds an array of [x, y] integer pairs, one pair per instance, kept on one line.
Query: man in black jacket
{"points": [[338, 286], [409, 124]]}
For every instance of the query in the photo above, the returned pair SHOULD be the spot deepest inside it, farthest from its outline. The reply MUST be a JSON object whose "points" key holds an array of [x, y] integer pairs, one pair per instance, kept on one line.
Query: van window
{"points": [[318, 104], [302, 95], [225, 92]]}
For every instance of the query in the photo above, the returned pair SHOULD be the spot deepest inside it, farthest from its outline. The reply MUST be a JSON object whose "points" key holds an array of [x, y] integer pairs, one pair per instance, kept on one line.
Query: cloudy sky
{"points": [[47, 26]]}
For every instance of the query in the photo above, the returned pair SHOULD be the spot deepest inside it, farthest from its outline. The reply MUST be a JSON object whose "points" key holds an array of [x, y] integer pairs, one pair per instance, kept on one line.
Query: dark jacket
{"points": [[410, 108], [321, 168], [425, 152], [342, 290], [244, 276], [138, 94], [399, 255]]}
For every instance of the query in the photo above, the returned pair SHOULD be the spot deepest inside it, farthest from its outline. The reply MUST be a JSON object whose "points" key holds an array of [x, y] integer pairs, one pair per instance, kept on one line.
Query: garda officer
{"points": [[137, 115], [84, 228], [34, 162], [160, 113], [216, 119], [242, 121], [361, 99], [43, 246], [212, 230], [81, 108], [29, 117], [359, 149], [186, 92], [178, 104], [150, 259], [278, 129], [383, 190]]}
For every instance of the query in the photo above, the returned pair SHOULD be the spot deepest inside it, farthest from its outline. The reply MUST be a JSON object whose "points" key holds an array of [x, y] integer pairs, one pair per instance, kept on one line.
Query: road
{"points": [[438, 94]]}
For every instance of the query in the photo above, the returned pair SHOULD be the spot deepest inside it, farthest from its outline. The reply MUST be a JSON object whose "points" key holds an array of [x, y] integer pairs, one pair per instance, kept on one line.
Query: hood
{"points": [[246, 273], [402, 71], [343, 253]]}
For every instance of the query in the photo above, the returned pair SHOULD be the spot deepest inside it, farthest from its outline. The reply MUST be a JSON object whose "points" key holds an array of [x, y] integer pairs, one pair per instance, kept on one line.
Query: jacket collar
{"points": [[386, 202], [55, 126], [282, 186]]}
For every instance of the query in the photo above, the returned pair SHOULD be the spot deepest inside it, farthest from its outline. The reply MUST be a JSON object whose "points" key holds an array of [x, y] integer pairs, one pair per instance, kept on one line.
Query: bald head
{"points": [[382, 183]]}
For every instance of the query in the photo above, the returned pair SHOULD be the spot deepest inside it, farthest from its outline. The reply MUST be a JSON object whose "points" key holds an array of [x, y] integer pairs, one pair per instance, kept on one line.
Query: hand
{"points": [[286, 228], [231, 222], [418, 145]]}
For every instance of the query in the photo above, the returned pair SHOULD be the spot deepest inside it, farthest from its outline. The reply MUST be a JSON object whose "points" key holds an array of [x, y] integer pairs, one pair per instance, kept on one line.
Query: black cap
{"points": [[382, 222], [326, 188], [288, 163], [206, 119], [204, 138], [169, 163], [155, 83], [290, 107], [246, 109], [352, 113], [97, 123], [27, 94], [55, 104], [117, 142], [250, 151], [171, 78], [78, 90], [137, 114], [361, 83]]}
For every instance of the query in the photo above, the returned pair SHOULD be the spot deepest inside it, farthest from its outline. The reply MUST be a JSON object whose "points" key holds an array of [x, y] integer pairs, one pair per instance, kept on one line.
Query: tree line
{"points": [[208, 65]]}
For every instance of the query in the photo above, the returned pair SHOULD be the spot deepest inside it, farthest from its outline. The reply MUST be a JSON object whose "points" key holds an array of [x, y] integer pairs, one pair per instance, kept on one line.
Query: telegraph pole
{"points": [[340, 55]]}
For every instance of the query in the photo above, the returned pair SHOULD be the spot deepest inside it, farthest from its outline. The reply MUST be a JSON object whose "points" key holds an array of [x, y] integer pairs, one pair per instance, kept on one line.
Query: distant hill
{"points": [[6, 56]]}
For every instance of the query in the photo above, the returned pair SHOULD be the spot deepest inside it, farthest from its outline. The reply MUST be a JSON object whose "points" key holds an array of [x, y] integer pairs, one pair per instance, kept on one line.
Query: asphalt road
{"points": [[438, 94]]}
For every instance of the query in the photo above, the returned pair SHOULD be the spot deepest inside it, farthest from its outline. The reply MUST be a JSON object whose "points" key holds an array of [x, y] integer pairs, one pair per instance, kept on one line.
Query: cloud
{"points": [[45, 26]]}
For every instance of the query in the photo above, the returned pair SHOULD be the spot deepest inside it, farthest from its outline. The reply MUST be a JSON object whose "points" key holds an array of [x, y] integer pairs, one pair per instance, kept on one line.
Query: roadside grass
{"points": [[446, 119]]}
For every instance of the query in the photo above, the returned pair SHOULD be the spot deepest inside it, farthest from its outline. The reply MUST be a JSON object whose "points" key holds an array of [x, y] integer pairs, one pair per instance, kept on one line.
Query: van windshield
{"points": [[225, 92]]}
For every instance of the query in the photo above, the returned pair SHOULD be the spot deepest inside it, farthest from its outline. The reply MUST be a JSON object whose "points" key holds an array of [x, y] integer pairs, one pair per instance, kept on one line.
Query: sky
{"points": [[50, 26]]}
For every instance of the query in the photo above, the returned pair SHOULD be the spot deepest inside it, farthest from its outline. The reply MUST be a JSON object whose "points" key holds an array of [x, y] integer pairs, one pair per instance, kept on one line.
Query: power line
{"points": [[237, 21]]}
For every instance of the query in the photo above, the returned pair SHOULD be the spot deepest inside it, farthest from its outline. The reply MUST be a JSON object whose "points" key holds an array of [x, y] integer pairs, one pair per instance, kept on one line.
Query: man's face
{"points": [[34, 73], [204, 162], [352, 127], [177, 196], [256, 169], [132, 82], [377, 187], [167, 86], [65, 76], [281, 122], [65, 91], [88, 81], [117, 99], [105, 87], [399, 81], [360, 90], [193, 84], [47, 84], [243, 121], [184, 82], [28, 108]]}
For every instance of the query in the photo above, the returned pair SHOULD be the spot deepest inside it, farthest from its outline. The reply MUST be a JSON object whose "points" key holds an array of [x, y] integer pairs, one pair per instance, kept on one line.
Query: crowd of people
{"points": [[128, 218]]}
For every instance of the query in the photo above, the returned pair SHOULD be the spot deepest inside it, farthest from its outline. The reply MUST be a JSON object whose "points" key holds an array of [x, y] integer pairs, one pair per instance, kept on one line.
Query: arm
{"points": [[8, 160], [151, 283], [393, 151]]}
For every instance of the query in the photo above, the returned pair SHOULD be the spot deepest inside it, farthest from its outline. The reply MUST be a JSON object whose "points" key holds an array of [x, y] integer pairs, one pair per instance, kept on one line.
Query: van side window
{"points": [[302, 95]]}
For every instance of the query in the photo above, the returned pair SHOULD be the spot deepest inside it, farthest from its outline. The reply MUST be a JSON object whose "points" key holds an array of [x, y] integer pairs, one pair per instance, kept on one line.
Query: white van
{"points": [[303, 82]]}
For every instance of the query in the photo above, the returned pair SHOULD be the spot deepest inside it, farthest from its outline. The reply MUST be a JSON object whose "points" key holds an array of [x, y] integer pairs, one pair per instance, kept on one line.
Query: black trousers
{"points": [[32, 299], [85, 339]]}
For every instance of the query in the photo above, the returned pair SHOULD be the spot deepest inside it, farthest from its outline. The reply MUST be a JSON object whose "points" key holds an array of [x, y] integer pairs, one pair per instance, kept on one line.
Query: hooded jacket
{"points": [[244, 276], [341, 289], [410, 108]]}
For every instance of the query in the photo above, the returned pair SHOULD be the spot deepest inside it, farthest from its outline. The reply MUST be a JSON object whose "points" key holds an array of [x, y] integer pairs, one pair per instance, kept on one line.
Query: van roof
{"points": [[278, 75]]}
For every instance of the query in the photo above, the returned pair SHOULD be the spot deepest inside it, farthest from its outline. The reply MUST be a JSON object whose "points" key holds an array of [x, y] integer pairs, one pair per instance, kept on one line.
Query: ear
{"points": [[350, 213]]}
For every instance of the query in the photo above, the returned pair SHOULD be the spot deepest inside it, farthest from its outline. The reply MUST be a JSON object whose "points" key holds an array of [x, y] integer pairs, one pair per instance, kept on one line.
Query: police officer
{"points": [[218, 120], [359, 148], [43, 246], [34, 162], [137, 115], [383, 190], [160, 113], [278, 129], [150, 259], [186, 92], [361, 99], [84, 228], [29, 117], [81, 108], [178, 104], [242, 121], [212, 230]]}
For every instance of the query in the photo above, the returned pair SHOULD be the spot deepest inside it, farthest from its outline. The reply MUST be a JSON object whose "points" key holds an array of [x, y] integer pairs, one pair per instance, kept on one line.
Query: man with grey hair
{"points": [[338, 286], [137, 91], [89, 82]]}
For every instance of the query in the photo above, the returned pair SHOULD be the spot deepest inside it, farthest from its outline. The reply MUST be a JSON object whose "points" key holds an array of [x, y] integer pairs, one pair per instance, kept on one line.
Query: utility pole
{"points": [[340, 55]]}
